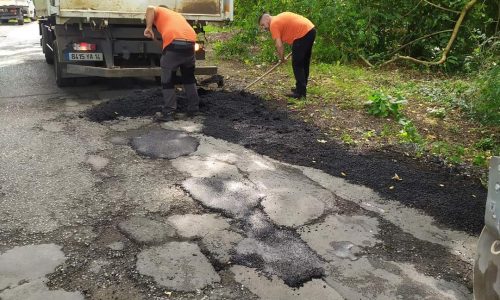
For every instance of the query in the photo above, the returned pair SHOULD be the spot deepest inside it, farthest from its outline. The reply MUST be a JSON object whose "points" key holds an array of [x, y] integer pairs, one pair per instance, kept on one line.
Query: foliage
{"points": [[487, 143], [409, 133], [480, 160], [235, 47], [382, 105], [485, 98], [452, 153], [347, 139], [376, 29], [438, 113]]}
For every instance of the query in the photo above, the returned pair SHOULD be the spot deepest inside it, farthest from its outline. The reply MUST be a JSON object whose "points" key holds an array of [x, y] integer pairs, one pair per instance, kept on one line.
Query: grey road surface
{"points": [[132, 209]]}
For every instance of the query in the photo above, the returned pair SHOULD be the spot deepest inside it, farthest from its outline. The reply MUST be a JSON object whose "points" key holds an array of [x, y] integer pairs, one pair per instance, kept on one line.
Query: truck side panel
{"points": [[202, 7]]}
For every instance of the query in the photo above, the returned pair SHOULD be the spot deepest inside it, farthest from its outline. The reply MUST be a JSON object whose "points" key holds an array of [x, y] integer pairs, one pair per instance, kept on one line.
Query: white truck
{"points": [[16, 9], [98, 38]]}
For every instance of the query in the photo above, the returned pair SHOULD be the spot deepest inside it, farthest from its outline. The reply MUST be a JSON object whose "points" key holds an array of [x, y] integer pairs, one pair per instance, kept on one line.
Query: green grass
{"points": [[212, 28], [429, 98]]}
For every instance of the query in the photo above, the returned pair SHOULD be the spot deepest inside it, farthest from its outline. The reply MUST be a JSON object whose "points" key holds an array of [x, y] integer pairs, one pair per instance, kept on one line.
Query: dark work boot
{"points": [[164, 117], [296, 95]]}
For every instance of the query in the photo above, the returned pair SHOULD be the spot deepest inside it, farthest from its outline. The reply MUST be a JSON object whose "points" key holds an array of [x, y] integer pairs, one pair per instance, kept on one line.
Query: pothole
{"points": [[169, 144]]}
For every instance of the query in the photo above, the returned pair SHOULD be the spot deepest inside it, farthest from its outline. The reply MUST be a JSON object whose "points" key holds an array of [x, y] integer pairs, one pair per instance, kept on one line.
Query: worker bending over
{"points": [[178, 52], [299, 32]]}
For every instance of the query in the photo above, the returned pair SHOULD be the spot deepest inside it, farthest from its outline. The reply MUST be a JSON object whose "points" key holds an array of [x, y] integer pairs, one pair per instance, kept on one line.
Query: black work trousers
{"points": [[171, 60], [301, 60]]}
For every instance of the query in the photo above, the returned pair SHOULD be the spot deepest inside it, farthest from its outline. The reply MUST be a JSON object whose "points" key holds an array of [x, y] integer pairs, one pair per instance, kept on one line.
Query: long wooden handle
{"points": [[265, 74]]}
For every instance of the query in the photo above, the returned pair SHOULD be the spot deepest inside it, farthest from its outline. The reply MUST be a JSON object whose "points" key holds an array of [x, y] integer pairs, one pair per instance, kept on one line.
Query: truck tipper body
{"points": [[16, 9], [106, 38]]}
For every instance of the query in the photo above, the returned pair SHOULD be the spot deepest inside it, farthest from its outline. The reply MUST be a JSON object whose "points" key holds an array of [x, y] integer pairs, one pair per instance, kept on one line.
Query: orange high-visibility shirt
{"points": [[173, 26], [289, 27]]}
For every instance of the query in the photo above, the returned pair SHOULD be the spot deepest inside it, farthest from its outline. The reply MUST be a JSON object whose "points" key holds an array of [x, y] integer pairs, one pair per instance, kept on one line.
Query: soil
{"points": [[456, 201]]}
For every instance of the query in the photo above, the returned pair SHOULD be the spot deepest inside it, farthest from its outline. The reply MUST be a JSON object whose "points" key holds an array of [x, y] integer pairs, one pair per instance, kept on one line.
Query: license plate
{"points": [[84, 56]]}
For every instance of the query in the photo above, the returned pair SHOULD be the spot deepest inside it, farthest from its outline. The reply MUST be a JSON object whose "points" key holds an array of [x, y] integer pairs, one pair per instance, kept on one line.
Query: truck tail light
{"points": [[84, 46]]}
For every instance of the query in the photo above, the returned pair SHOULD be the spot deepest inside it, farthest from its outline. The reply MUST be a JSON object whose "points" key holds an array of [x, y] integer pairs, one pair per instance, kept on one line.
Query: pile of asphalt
{"points": [[454, 200]]}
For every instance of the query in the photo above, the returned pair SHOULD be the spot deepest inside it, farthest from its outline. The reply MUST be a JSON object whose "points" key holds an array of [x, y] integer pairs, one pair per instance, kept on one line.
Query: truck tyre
{"points": [[5, 21], [60, 80], [49, 54], [20, 21]]}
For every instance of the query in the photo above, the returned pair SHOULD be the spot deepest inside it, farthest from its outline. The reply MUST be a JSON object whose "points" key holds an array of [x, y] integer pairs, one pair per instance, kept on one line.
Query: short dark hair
{"points": [[261, 16], [163, 5]]}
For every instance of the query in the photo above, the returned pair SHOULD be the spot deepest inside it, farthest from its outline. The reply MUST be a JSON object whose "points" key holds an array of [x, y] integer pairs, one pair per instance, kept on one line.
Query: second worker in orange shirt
{"points": [[299, 32]]}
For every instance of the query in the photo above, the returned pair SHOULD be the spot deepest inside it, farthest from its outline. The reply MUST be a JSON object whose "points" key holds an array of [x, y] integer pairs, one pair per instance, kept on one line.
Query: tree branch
{"points": [[443, 8], [420, 38], [498, 20], [369, 64], [446, 51], [408, 13]]}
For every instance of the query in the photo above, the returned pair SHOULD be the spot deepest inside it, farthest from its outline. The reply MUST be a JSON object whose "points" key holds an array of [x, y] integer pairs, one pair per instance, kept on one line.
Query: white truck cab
{"points": [[487, 265]]}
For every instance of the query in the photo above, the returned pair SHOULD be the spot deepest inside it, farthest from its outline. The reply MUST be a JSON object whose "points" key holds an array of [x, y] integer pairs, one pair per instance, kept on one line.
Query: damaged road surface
{"points": [[99, 202]]}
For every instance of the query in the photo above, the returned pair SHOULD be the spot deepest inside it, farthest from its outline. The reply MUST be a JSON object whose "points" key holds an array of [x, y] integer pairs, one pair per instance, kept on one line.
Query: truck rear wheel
{"points": [[20, 21], [49, 54], [58, 70]]}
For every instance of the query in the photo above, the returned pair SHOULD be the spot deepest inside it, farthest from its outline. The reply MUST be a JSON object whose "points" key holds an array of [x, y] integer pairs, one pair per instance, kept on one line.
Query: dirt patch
{"points": [[455, 201]]}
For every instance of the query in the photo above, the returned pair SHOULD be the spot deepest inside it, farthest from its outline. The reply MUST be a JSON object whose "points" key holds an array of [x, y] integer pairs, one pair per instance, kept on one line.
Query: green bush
{"points": [[382, 105], [487, 143], [485, 101], [409, 133]]}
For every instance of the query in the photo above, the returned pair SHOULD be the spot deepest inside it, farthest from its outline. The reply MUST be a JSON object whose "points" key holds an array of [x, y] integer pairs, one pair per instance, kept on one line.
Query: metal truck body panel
{"points": [[13, 3], [487, 263], [114, 10]]}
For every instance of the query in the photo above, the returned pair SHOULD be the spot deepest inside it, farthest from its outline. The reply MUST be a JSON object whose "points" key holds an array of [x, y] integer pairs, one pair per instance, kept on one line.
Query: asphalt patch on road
{"points": [[428, 258], [277, 251], [161, 143], [454, 200]]}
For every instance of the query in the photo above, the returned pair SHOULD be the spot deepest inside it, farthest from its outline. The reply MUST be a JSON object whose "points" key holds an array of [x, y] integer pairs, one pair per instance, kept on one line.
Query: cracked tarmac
{"points": [[130, 209]]}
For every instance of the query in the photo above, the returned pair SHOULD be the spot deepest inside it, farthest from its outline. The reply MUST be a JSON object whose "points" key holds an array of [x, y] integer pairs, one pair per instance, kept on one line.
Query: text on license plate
{"points": [[84, 56]]}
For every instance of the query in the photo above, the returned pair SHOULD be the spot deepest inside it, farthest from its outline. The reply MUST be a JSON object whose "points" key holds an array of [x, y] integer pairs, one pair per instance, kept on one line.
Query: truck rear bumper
{"points": [[129, 72]]}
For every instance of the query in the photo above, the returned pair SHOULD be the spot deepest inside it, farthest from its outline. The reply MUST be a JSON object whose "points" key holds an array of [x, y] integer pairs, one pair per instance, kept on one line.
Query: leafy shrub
{"points": [[230, 49], [485, 101], [451, 153], [347, 139], [485, 144], [480, 160], [409, 133], [438, 113], [382, 105]]}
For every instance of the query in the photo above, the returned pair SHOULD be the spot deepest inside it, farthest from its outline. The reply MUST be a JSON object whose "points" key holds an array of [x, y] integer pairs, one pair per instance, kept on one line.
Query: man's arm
{"points": [[280, 49], [150, 19]]}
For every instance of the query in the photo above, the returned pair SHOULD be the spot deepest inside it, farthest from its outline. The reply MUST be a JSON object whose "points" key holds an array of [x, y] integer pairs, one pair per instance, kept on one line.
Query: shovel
{"points": [[267, 73]]}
